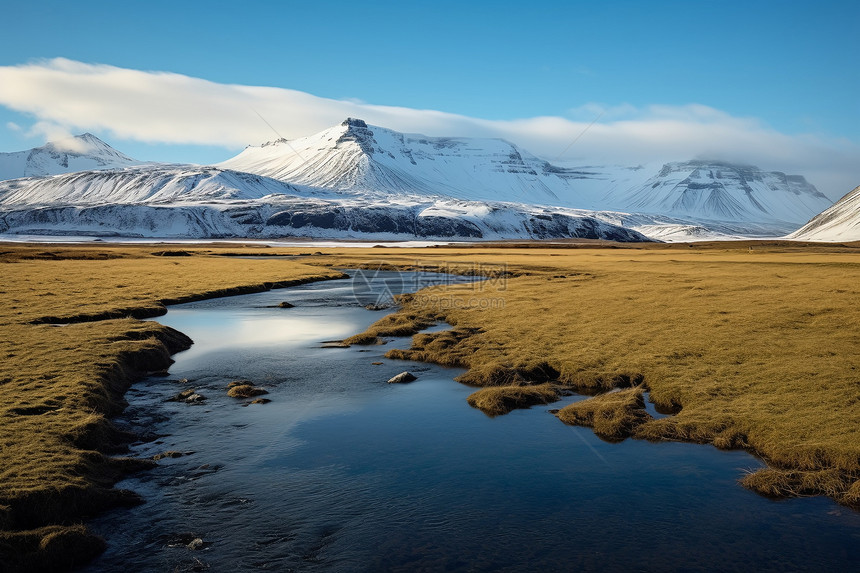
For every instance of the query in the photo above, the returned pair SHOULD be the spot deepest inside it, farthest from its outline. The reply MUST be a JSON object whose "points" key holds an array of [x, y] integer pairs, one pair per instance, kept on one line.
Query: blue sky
{"points": [[786, 68]]}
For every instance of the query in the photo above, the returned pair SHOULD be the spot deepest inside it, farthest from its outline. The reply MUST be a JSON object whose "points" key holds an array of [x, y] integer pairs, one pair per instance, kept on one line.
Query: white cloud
{"points": [[49, 131], [160, 107]]}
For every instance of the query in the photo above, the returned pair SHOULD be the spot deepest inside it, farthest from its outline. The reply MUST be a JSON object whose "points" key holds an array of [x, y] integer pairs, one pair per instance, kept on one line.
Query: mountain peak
{"points": [[724, 191], [358, 132], [354, 122], [90, 138], [354, 157], [76, 153], [83, 144]]}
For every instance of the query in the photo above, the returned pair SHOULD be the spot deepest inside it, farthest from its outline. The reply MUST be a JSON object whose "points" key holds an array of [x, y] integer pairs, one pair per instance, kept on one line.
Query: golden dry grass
{"points": [[60, 384], [613, 415], [497, 400], [117, 282], [757, 343]]}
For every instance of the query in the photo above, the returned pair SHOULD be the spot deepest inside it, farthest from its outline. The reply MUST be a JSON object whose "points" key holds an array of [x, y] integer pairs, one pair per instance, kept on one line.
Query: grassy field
{"points": [[752, 345], [59, 455]]}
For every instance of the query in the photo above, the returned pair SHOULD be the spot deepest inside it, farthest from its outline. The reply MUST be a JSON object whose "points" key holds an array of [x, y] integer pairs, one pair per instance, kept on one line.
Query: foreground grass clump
{"points": [[60, 384], [51, 548], [498, 400], [398, 324], [613, 416], [754, 345]]}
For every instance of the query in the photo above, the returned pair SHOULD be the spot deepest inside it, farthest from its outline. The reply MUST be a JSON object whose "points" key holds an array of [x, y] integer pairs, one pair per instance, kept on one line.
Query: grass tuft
{"points": [[47, 549], [498, 400], [398, 324], [613, 416], [781, 483]]}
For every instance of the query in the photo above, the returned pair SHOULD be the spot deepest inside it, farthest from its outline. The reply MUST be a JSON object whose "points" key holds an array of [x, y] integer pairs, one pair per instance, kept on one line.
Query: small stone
{"points": [[376, 363], [195, 544], [245, 391], [188, 396], [181, 539], [261, 401], [168, 454], [402, 378], [286, 304], [182, 396]]}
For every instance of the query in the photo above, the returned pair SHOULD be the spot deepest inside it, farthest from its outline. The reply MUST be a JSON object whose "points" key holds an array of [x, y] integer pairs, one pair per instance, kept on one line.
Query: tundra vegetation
{"points": [[750, 345]]}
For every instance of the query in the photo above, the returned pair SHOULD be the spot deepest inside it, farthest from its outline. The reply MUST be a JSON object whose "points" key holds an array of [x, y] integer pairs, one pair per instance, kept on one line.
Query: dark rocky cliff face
{"points": [[357, 131], [302, 217]]}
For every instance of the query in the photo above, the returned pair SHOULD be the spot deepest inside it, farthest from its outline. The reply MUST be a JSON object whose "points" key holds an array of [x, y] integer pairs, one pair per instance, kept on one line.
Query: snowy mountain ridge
{"points": [[210, 202], [725, 192], [841, 222], [162, 184], [79, 153], [360, 180]]}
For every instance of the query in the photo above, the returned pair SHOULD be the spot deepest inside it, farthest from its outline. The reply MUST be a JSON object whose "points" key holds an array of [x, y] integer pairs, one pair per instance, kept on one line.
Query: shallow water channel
{"points": [[344, 472]]}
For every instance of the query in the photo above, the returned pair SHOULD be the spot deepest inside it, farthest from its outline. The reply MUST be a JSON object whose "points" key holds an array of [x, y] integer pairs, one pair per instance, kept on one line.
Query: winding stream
{"points": [[344, 472]]}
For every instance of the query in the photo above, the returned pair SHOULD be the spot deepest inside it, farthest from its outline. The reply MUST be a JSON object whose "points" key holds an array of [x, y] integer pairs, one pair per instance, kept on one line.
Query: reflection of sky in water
{"points": [[217, 329]]}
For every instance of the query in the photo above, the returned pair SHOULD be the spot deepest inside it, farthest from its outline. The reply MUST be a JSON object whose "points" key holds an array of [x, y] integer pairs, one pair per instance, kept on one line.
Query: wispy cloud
{"points": [[160, 107]]}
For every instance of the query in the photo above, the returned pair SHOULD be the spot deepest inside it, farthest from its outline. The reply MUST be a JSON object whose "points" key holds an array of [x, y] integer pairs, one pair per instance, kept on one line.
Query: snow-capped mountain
{"points": [[355, 158], [161, 184], [720, 191], [358, 159], [841, 222], [80, 153]]}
